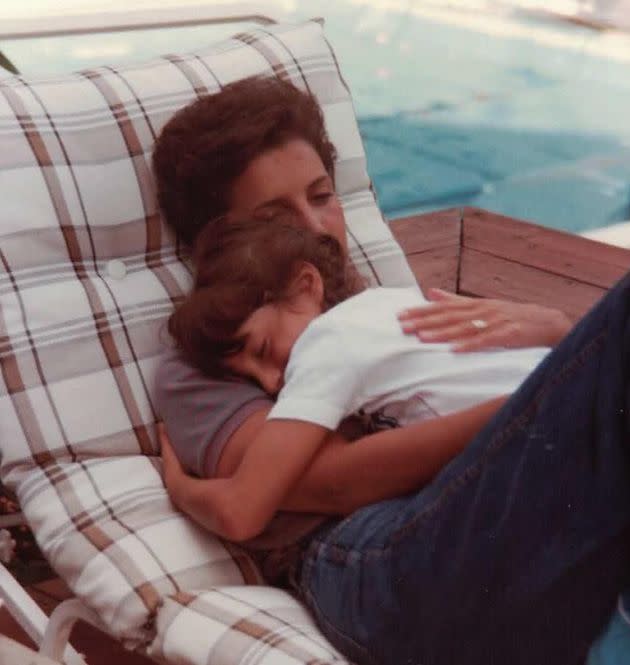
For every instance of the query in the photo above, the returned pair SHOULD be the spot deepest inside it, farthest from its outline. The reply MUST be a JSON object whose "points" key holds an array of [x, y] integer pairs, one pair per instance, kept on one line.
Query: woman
{"points": [[525, 531]]}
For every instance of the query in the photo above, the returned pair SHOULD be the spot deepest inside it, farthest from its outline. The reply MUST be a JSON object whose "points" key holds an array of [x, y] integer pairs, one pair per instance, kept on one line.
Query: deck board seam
{"points": [[496, 252], [458, 272], [535, 267]]}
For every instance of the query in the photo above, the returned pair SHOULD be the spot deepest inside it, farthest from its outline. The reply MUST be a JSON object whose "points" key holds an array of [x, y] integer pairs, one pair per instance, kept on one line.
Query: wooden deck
{"points": [[478, 253], [469, 251]]}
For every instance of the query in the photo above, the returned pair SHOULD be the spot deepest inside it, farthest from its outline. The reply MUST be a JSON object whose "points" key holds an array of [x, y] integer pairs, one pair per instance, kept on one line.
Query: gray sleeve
{"points": [[201, 413]]}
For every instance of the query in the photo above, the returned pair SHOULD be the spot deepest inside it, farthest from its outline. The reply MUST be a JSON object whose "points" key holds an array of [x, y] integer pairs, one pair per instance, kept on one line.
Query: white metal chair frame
{"points": [[135, 19], [52, 633]]}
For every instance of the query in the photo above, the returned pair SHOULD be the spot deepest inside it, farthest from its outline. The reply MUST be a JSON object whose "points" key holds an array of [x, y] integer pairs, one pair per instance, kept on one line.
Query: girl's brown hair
{"points": [[242, 265]]}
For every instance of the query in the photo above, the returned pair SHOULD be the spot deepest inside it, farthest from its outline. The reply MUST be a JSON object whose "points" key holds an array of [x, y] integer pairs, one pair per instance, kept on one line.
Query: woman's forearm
{"points": [[344, 477]]}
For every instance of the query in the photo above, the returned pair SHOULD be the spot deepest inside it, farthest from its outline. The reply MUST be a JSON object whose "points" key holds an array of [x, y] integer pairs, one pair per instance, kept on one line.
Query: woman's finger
{"points": [[441, 295], [461, 309], [442, 319], [458, 331], [502, 335]]}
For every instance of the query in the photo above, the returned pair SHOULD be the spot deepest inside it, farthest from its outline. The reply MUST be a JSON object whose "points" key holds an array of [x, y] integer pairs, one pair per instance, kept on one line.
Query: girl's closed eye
{"points": [[269, 214], [262, 350]]}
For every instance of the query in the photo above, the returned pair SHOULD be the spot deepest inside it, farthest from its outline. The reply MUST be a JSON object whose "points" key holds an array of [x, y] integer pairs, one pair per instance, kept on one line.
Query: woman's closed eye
{"points": [[322, 198]]}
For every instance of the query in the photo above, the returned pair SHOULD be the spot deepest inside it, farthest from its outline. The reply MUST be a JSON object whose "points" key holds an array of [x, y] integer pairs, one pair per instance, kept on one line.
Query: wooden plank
{"points": [[420, 233], [46, 602], [14, 653], [55, 588], [553, 251], [436, 267], [490, 276], [431, 243], [501, 257], [11, 628]]}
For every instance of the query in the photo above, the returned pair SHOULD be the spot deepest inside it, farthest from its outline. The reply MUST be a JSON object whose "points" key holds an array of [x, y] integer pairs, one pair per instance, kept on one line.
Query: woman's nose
{"points": [[311, 219]]}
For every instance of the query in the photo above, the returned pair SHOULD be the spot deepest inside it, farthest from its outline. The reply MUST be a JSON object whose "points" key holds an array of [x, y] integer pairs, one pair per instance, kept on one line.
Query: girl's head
{"points": [[258, 148], [258, 285]]}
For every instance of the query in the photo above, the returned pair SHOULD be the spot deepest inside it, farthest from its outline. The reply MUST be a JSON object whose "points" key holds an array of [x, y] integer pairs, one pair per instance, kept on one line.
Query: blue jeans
{"points": [[517, 550]]}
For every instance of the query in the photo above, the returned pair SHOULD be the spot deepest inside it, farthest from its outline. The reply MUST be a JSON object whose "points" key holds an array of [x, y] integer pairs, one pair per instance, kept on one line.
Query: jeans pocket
{"points": [[335, 628]]}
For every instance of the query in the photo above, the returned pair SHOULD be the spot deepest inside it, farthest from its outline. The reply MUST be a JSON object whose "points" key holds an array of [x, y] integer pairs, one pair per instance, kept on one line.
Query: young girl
{"points": [[282, 306]]}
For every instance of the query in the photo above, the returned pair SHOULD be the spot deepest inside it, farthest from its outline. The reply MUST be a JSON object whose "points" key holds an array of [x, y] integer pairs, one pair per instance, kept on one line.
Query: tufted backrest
{"points": [[88, 275]]}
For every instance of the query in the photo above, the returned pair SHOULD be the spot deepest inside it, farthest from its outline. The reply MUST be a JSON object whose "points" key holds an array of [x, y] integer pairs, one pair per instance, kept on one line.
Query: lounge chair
{"points": [[88, 273]]}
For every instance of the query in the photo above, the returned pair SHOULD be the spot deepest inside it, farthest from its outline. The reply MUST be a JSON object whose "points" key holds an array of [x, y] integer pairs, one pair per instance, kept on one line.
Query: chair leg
{"points": [[28, 614], [61, 623]]}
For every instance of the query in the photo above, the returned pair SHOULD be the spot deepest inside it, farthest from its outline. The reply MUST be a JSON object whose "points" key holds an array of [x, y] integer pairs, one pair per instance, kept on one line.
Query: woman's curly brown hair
{"points": [[208, 144], [242, 265]]}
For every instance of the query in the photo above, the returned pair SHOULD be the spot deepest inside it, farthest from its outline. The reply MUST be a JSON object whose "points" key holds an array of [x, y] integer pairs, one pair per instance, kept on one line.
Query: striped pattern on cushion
{"points": [[88, 274], [227, 625], [109, 529]]}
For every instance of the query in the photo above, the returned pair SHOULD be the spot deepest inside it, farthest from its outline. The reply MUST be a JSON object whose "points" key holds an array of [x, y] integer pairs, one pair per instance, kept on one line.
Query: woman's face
{"points": [[290, 179]]}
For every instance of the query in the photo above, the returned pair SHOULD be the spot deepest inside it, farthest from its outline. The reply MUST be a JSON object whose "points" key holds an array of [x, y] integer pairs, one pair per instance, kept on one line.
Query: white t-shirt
{"points": [[355, 358]]}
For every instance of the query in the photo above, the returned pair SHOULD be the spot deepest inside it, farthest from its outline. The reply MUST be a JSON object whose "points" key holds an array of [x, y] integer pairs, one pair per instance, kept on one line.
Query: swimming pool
{"points": [[459, 103]]}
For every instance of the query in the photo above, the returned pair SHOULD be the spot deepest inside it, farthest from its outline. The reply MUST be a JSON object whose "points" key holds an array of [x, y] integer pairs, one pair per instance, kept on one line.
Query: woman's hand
{"points": [[472, 324]]}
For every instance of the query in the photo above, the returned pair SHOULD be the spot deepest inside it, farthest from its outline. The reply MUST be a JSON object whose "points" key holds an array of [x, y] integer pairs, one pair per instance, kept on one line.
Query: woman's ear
{"points": [[308, 283]]}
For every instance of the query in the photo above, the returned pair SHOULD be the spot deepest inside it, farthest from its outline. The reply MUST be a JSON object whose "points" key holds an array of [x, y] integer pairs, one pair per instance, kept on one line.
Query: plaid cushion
{"points": [[108, 528], [253, 625], [88, 274]]}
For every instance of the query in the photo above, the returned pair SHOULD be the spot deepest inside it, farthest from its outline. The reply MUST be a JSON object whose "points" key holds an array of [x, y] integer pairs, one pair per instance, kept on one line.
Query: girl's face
{"points": [[289, 179], [271, 331]]}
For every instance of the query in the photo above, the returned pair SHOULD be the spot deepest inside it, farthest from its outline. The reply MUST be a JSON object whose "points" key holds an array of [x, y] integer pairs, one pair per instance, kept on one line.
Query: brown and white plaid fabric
{"points": [[249, 625], [88, 275]]}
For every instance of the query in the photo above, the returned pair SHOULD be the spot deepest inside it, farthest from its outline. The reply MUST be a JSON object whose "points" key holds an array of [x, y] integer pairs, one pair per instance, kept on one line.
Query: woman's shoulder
{"points": [[176, 377], [200, 412]]}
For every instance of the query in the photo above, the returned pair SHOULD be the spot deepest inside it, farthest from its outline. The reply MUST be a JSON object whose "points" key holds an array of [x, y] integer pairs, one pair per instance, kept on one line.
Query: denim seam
{"points": [[316, 548]]}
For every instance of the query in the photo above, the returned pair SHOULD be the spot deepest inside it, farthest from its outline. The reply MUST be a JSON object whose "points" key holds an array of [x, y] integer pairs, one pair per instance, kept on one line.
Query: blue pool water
{"points": [[518, 115], [508, 112]]}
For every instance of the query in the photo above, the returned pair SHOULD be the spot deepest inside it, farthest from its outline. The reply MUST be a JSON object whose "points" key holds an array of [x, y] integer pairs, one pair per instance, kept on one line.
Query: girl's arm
{"points": [[337, 478], [240, 506], [389, 463]]}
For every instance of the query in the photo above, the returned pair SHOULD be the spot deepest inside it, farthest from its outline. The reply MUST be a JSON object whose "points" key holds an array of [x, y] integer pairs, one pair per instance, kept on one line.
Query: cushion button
{"points": [[116, 269]]}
